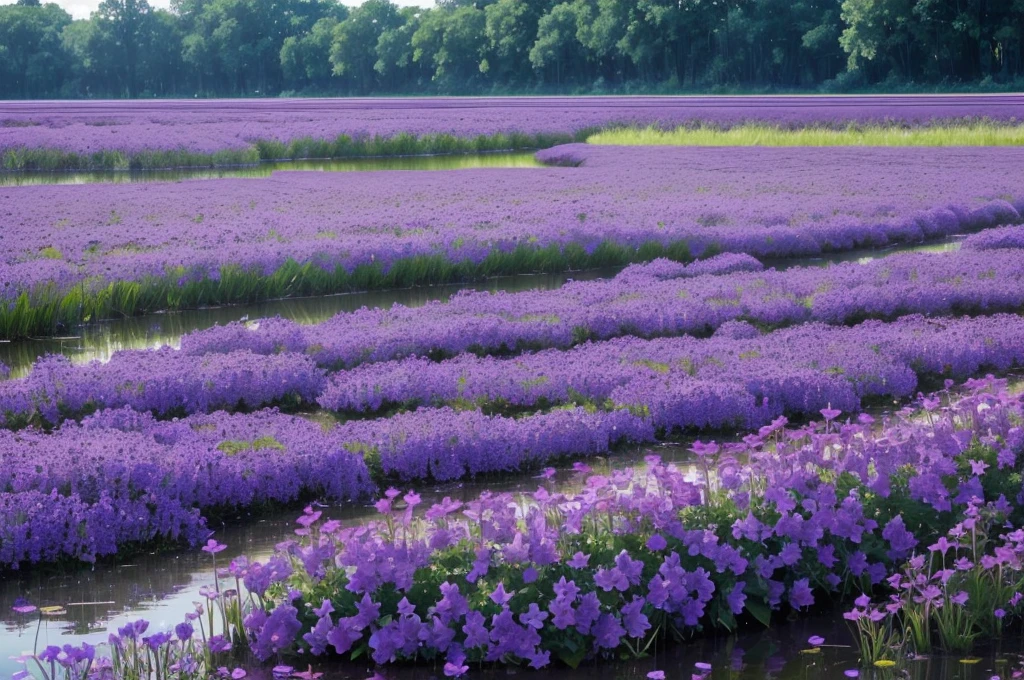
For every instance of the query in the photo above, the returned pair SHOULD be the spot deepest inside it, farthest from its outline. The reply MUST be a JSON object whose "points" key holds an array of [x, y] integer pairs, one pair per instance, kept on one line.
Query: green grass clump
{"points": [[24, 159], [968, 134], [48, 310]]}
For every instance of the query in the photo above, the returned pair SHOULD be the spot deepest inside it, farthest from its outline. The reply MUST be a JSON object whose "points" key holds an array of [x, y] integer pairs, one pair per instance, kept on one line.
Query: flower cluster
{"points": [[710, 383], [769, 523], [655, 299], [120, 477]]}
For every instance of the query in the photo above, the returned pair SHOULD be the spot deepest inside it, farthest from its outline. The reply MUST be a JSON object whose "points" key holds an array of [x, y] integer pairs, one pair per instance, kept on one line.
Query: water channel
{"points": [[518, 159]]}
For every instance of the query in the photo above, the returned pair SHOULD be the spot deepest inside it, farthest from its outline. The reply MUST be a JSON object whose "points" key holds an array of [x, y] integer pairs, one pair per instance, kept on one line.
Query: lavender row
{"points": [[484, 321], [122, 478], [658, 298], [247, 366], [737, 377], [802, 516], [994, 239], [129, 250], [165, 382], [207, 127]]}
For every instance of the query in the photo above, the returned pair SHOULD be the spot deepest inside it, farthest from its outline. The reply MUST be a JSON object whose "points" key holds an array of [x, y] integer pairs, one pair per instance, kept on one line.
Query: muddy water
{"points": [[520, 159], [98, 341]]}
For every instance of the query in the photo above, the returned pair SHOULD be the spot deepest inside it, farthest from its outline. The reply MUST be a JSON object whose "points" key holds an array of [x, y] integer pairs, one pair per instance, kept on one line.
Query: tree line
{"points": [[126, 48]]}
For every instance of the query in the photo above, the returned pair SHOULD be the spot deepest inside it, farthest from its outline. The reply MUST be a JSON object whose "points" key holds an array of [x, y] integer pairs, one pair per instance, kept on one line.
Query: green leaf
{"points": [[759, 610], [572, 659]]}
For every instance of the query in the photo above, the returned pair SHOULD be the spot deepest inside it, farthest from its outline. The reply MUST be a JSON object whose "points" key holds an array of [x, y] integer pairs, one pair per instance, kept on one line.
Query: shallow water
{"points": [[519, 159], [100, 340]]}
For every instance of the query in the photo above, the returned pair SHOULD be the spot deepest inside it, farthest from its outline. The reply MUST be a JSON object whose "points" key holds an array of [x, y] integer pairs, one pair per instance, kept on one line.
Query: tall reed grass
{"points": [[967, 134]]}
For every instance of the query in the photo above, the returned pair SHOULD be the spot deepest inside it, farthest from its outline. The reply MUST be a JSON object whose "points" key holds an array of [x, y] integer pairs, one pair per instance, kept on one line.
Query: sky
{"points": [[80, 9]]}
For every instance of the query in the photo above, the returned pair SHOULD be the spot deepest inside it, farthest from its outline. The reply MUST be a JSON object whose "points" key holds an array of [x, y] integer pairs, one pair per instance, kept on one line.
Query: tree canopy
{"points": [[268, 47]]}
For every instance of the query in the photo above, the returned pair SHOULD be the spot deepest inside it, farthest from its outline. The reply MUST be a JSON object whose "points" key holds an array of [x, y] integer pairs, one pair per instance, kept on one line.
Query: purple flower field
{"points": [[213, 125], [869, 412], [270, 362], [624, 390], [111, 250]]}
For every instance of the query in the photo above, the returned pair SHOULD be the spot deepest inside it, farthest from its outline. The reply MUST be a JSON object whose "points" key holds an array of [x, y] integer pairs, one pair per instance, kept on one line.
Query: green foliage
{"points": [[270, 47]]}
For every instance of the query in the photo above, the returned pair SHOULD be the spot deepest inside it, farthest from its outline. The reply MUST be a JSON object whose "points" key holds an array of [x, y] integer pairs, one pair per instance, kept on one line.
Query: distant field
{"points": [[174, 133]]}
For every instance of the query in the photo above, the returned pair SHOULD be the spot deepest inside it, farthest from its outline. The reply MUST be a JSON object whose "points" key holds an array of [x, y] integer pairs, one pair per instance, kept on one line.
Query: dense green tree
{"points": [[354, 48], [32, 57], [266, 47]]}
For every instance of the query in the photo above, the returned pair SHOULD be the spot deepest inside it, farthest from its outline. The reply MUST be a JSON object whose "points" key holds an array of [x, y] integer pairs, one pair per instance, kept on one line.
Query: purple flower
{"points": [[184, 631], [801, 595], [737, 598], [816, 640], [579, 561], [499, 596], [455, 671], [656, 543], [534, 617], [213, 547], [634, 620], [608, 632]]}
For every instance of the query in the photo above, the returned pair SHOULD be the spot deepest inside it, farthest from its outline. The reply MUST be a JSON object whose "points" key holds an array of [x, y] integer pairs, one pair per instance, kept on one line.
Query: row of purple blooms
{"points": [[211, 126], [280, 362], [121, 478], [803, 515], [737, 377], [696, 201], [162, 477], [646, 300], [822, 511], [996, 238]]}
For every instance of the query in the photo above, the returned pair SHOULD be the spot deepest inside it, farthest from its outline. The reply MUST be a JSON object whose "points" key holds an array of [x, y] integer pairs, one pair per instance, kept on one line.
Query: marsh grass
{"points": [[48, 310], [342, 146], [965, 134]]}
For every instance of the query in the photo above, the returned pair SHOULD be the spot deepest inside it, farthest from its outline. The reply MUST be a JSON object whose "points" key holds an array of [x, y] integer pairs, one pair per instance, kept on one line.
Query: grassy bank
{"points": [[25, 159], [49, 311], [972, 134]]}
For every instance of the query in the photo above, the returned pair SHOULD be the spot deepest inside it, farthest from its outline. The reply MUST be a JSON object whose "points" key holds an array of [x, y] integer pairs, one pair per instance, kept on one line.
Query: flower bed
{"points": [[782, 521], [136, 249], [148, 134]]}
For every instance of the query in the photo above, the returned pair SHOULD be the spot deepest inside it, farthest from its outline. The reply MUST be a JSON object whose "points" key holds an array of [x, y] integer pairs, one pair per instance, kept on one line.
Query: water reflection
{"points": [[950, 244], [521, 159], [99, 341]]}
